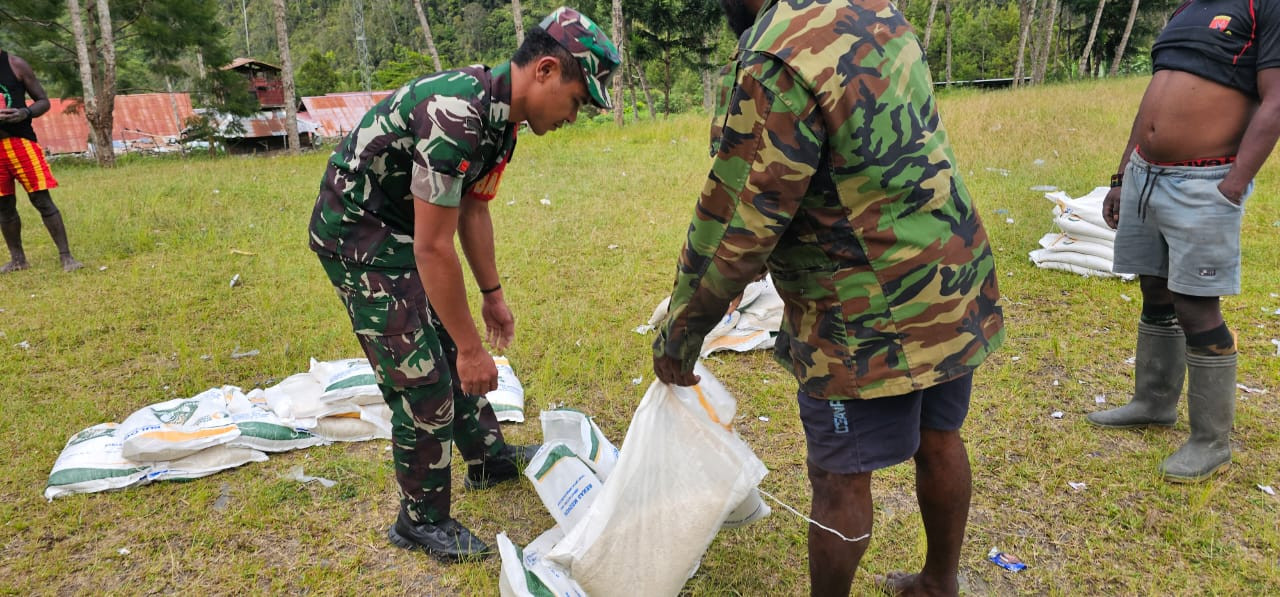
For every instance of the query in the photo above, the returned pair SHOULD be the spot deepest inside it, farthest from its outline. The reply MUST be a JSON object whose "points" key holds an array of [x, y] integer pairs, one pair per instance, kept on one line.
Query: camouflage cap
{"points": [[587, 42]]}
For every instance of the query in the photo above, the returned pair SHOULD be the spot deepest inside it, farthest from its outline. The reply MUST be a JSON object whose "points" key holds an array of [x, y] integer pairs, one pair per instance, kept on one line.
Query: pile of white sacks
{"points": [[635, 522], [753, 325], [224, 427], [1083, 242]]}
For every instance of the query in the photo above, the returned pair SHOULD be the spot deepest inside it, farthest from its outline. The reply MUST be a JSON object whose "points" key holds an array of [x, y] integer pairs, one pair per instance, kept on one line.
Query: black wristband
{"points": [[491, 290], [1117, 179]]}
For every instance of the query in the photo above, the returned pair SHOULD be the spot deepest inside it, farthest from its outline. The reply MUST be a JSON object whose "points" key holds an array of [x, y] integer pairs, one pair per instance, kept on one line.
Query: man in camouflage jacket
{"points": [[422, 166], [833, 171]]}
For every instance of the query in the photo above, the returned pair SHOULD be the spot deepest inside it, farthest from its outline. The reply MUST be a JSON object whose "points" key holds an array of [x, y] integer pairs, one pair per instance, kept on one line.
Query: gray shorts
{"points": [[863, 435], [1175, 224]]}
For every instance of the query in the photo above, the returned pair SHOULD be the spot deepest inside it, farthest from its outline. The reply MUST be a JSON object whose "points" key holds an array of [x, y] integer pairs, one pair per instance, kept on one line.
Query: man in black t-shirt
{"points": [[22, 160], [1207, 122]]}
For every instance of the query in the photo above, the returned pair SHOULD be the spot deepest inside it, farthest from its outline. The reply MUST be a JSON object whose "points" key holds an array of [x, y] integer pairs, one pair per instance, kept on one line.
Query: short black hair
{"points": [[539, 43]]}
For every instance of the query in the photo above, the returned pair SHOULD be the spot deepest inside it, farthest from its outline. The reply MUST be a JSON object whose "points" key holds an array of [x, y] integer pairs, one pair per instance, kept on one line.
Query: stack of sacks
{"points": [[221, 428], [1083, 243], [636, 522], [753, 325]]}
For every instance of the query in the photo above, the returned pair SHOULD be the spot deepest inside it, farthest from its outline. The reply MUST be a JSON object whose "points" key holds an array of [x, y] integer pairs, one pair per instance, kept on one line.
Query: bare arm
{"points": [[475, 231], [1259, 138], [441, 271], [40, 99]]}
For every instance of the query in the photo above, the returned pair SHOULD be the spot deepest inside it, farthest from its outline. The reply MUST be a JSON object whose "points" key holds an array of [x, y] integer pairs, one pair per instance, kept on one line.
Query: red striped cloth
{"points": [[22, 159]]}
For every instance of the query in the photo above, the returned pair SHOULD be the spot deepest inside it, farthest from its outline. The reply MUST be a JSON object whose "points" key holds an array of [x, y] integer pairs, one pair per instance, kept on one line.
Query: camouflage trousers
{"points": [[413, 357]]}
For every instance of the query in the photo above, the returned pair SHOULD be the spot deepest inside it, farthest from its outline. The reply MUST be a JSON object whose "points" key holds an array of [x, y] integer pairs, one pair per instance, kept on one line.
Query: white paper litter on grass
{"points": [[1267, 489], [1100, 399], [1249, 390], [1057, 414], [1076, 486], [296, 474]]}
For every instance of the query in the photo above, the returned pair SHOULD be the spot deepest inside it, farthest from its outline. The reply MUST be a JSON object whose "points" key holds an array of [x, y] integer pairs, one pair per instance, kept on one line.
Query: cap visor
{"points": [[599, 96]]}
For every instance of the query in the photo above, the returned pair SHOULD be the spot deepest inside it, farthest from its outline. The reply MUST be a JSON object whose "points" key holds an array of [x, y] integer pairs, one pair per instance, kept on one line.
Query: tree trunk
{"points": [[1027, 13], [928, 26], [1124, 39], [947, 24], [82, 55], [426, 32], [290, 101], [635, 93], [1046, 45], [99, 110], [1093, 34], [667, 83], [648, 97], [620, 40], [517, 14]]}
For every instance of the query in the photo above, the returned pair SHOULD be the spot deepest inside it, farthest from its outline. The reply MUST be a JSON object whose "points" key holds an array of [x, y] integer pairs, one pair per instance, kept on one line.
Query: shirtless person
{"points": [[1208, 121]]}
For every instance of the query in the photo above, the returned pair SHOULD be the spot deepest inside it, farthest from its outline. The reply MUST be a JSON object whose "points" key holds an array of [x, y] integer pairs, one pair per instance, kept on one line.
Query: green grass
{"points": [[107, 342]]}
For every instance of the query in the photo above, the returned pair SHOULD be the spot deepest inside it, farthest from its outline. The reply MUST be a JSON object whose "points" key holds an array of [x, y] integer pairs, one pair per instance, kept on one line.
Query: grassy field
{"points": [[153, 316]]}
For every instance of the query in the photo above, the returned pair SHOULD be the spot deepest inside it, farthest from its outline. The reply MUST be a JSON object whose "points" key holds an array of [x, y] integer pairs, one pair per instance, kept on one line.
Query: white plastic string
{"points": [[812, 521]]}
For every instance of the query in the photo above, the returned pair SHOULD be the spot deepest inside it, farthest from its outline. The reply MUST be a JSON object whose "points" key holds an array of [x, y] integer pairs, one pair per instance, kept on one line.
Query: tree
{"points": [[1027, 13], [426, 32], [1045, 48], [676, 33], [928, 27], [290, 100], [619, 40], [1093, 34], [947, 24], [517, 15], [1124, 39], [150, 35]]}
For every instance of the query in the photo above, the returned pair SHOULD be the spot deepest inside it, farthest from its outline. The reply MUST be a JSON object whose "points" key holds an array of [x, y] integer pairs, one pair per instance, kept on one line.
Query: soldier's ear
{"points": [[546, 67]]}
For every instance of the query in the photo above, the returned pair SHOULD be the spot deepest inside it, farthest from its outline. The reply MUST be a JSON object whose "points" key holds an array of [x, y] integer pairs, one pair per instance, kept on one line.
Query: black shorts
{"points": [[862, 435]]}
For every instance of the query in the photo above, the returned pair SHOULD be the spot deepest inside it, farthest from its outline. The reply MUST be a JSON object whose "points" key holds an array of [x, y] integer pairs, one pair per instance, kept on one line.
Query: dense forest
{"points": [[671, 47]]}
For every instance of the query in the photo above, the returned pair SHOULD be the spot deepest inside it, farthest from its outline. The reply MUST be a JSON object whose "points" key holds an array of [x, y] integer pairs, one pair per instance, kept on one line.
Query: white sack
{"points": [[508, 400], [527, 573], [564, 483], [347, 380], [176, 428], [680, 474], [348, 428], [1061, 241], [296, 400], [92, 461], [577, 431], [261, 429], [204, 463]]}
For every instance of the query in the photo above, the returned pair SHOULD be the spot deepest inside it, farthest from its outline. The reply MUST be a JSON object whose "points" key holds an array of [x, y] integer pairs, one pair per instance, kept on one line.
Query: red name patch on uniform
{"points": [[1220, 22], [486, 188]]}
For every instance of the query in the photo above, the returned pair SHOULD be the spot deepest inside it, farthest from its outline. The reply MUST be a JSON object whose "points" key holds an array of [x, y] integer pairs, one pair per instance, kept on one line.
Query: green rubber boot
{"points": [[1158, 375], [1211, 404]]}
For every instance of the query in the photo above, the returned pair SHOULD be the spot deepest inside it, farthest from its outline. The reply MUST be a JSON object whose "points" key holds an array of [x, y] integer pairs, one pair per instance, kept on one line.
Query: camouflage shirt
{"points": [[834, 172], [441, 138]]}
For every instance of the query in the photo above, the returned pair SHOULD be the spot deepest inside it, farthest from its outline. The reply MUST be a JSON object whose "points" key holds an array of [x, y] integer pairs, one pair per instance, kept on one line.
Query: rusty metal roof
{"points": [[64, 129], [337, 113], [252, 63], [263, 124]]}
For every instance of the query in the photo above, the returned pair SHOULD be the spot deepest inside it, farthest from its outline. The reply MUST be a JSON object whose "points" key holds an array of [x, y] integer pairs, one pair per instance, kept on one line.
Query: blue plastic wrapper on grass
{"points": [[1004, 560]]}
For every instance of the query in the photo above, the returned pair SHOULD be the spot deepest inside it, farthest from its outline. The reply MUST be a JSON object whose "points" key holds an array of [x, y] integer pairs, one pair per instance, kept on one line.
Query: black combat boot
{"points": [[503, 467], [447, 540]]}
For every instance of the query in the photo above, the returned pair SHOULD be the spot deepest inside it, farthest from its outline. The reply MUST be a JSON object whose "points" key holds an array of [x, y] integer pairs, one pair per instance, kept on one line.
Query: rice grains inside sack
{"points": [[347, 380], [92, 461], [576, 430], [261, 429], [508, 400], [176, 428]]}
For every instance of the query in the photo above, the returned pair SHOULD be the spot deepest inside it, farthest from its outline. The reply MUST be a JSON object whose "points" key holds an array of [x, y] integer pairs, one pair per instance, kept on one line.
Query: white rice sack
{"points": [[297, 400], [680, 474], [176, 428], [1087, 207], [348, 428], [750, 510], [577, 431], [261, 429], [1061, 241], [565, 484], [1079, 228], [92, 461], [526, 573], [508, 400], [739, 340], [765, 311], [347, 380], [659, 312], [379, 415], [204, 463]]}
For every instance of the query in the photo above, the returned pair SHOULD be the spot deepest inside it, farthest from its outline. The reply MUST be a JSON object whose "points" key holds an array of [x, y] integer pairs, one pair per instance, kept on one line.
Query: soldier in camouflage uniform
{"points": [[833, 172], [421, 166]]}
